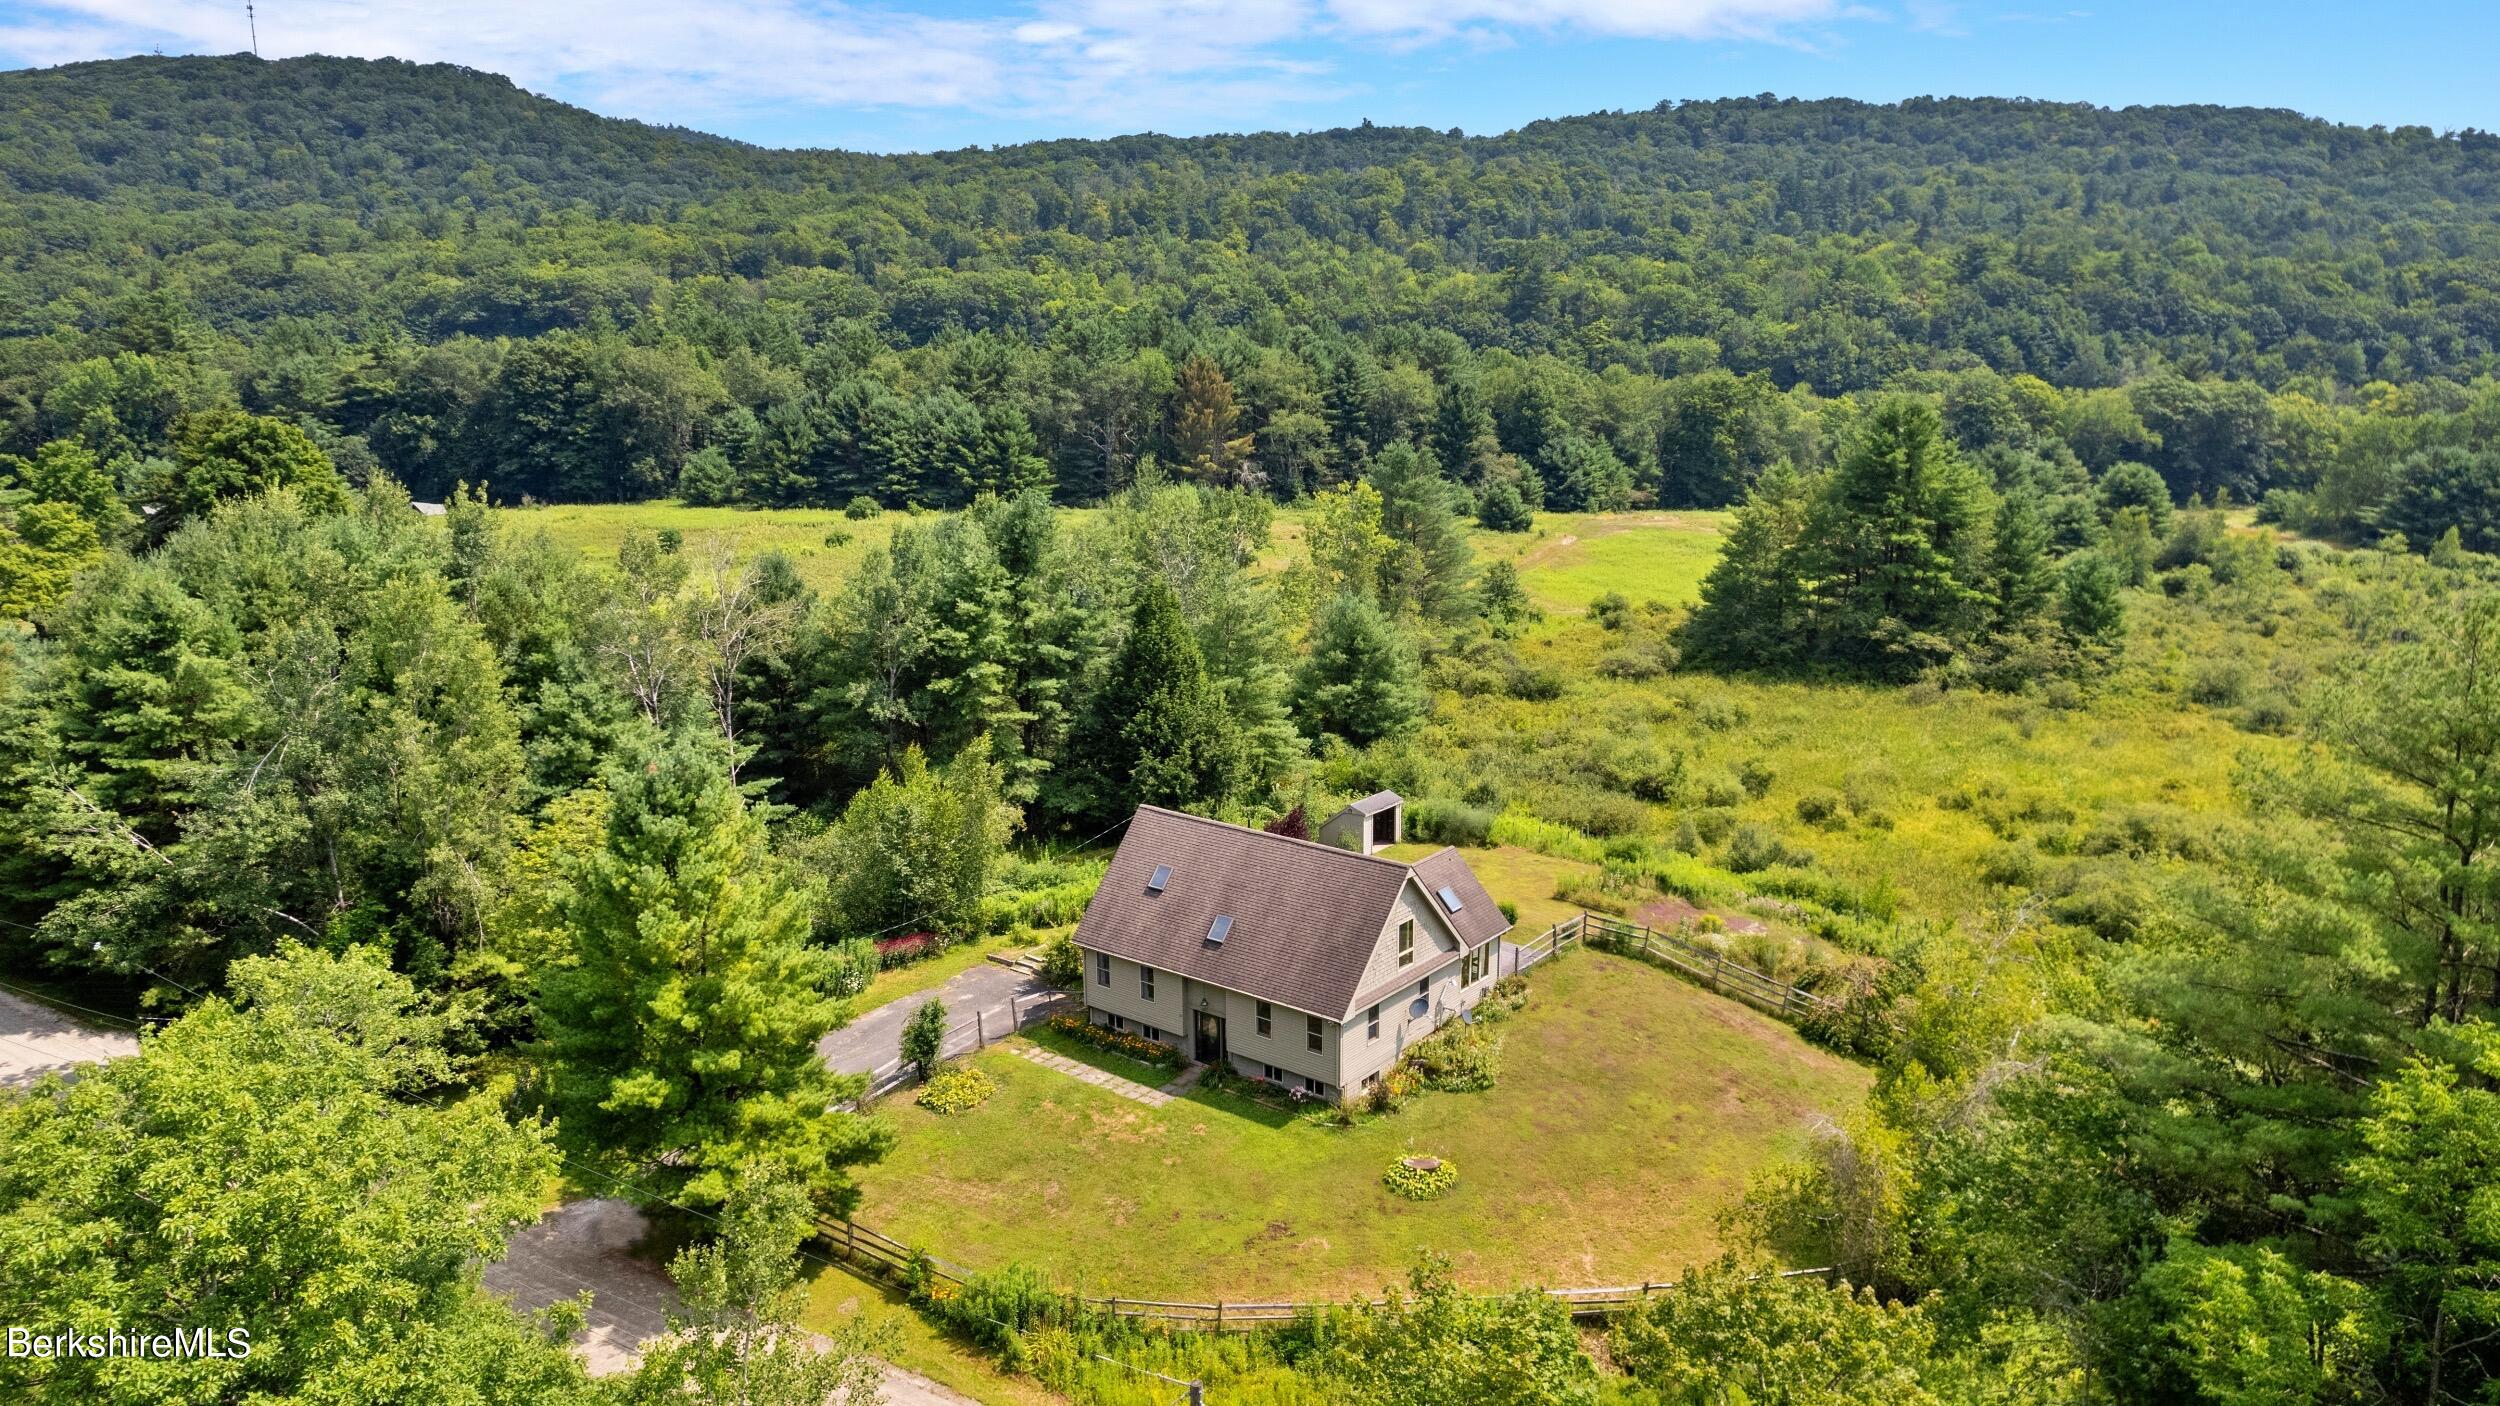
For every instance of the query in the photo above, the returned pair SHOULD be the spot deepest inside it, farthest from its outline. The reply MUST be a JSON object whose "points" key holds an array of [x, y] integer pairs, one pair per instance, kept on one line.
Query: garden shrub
{"points": [[855, 963], [1819, 808], [957, 1090], [1756, 776], [1634, 662], [1457, 1058], [2011, 865], [1062, 964], [2218, 684], [1591, 811], [1448, 823], [1528, 832], [1754, 848], [1530, 684], [990, 1308], [1421, 1183], [1591, 892]]}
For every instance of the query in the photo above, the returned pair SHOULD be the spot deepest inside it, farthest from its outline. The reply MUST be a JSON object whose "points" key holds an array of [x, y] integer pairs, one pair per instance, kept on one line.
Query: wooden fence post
{"points": [[980, 1032]]}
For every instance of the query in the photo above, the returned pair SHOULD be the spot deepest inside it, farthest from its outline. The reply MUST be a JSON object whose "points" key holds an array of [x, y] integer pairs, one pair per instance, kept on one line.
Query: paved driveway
{"points": [[876, 1039], [35, 1041], [587, 1246]]}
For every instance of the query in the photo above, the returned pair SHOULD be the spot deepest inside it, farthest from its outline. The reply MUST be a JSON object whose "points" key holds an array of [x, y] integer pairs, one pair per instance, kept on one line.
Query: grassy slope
{"points": [[594, 529], [1573, 558], [1631, 1108]]}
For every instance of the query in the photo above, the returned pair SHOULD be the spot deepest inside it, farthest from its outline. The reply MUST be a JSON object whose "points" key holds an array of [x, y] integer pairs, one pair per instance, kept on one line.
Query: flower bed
{"points": [[956, 1090], [907, 949], [1119, 1042], [1420, 1178]]}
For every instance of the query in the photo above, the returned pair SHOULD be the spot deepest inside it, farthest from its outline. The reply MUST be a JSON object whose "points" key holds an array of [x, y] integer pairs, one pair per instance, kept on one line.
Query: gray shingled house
{"points": [[1300, 963]]}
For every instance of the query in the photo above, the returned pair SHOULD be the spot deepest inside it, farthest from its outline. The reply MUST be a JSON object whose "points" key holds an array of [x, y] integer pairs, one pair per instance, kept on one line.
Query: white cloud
{"points": [[1092, 64], [1630, 19]]}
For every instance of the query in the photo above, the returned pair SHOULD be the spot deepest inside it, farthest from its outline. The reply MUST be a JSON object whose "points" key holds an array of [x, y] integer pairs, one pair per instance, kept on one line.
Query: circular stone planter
{"points": [[1420, 1178]]}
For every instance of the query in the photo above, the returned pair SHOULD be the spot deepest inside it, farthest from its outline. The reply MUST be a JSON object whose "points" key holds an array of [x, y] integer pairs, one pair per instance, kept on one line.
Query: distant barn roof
{"points": [[1305, 917]]}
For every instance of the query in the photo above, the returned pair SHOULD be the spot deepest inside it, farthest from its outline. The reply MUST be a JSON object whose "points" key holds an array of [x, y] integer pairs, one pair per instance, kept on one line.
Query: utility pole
{"points": [[252, 18]]}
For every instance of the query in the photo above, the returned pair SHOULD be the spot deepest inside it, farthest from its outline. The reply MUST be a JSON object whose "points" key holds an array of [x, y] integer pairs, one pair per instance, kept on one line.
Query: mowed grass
{"points": [[1520, 877], [1571, 559], [1631, 1108], [801, 534]]}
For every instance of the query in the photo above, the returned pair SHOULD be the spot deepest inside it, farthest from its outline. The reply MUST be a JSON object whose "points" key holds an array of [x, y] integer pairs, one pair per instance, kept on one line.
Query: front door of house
{"points": [[1210, 1038]]}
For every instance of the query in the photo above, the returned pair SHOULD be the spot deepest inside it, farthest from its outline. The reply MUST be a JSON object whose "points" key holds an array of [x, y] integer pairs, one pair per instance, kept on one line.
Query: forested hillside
{"points": [[2135, 849], [445, 279]]}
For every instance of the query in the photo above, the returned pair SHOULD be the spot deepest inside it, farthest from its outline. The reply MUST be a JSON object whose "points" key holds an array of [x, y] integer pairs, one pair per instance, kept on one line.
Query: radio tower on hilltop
{"points": [[252, 18]]}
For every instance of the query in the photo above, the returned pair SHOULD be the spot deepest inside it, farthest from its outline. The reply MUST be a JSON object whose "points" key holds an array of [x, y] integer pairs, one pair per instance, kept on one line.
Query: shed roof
{"points": [[1377, 802]]}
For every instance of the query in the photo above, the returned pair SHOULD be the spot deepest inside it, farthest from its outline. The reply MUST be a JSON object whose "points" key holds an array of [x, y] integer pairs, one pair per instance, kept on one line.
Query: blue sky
{"points": [[916, 76]]}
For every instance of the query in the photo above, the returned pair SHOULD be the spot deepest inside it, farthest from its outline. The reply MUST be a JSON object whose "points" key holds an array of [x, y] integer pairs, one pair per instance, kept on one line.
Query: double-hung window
{"points": [[1310, 1032], [1267, 1020], [1406, 943], [1372, 1031], [1145, 983], [1102, 969]]}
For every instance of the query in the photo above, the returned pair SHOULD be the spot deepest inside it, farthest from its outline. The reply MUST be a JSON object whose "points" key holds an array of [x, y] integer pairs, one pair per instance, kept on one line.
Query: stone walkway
{"points": [[1087, 1074]]}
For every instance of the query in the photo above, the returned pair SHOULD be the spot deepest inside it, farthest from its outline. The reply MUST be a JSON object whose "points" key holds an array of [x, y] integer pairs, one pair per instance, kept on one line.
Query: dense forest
{"points": [[439, 860], [443, 279]]}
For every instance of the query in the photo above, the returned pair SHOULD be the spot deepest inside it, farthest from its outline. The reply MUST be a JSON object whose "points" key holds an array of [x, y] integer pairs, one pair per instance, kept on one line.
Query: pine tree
{"points": [[1156, 734], [2021, 580], [1462, 430], [1895, 546], [1361, 681], [1202, 425], [1419, 510], [679, 1043], [1753, 602]]}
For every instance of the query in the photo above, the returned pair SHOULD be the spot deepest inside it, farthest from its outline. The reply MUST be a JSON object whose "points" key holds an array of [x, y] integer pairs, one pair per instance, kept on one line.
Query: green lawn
{"points": [[1572, 559], [595, 529], [1631, 1108]]}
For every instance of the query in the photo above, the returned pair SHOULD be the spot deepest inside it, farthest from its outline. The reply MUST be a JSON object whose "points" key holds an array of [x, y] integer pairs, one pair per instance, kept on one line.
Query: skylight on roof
{"points": [[1449, 898], [1220, 929], [1162, 876]]}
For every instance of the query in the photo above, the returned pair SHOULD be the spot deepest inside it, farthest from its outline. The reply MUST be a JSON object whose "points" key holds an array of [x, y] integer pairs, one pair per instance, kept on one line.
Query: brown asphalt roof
{"points": [[1478, 919], [1305, 916]]}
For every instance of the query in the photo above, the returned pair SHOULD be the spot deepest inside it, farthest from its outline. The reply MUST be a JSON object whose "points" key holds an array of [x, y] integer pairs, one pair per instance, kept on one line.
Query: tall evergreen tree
{"points": [[679, 1040], [1753, 602], [1361, 681], [1419, 509], [1155, 732], [1895, 546], [2022, 581]]}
